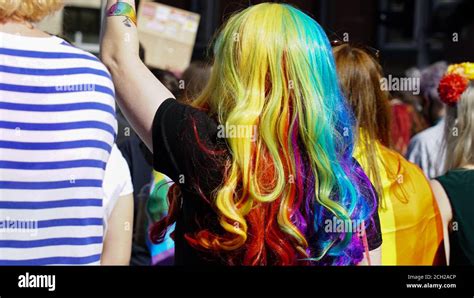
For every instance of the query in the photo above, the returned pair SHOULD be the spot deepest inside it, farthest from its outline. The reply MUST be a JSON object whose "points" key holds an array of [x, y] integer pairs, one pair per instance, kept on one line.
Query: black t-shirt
{"points": [[185, 140]]}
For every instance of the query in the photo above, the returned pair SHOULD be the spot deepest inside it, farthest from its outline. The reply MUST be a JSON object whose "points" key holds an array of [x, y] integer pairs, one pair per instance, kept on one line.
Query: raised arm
{"points": [[139, 94]]}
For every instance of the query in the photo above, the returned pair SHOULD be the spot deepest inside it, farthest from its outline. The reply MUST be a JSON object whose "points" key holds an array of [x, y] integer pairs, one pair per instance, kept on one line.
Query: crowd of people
{"points": [[283, 149]]}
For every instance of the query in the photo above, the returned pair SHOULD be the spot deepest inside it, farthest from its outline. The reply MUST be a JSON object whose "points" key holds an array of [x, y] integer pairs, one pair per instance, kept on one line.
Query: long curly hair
{"points": [[286, 182]]}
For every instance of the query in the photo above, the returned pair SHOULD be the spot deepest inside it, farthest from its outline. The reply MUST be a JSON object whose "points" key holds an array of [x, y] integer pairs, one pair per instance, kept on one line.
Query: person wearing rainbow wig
{"points": [[262, 160], [453, 190]]}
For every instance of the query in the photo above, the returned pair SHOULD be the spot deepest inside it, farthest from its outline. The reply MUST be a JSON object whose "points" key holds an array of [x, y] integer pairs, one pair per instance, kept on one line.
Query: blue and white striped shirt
{"points": [[57, 127]]}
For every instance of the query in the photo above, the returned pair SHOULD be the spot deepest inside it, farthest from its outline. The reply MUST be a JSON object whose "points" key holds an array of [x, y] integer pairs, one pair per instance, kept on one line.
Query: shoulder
{"points": [[405, 173], [85, 69], [185, 140], [421, 137], [185, 119], [419, 181], [426, 134], [442, 199], [414, 170], [74, 56], [391, 159], [63, 46], [457, 177], [450, 178], [430, 134], [425, 140], [407, 167]]}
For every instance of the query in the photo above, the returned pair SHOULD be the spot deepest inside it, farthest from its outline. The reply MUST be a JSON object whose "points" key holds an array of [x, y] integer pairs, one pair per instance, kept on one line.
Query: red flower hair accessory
{"points": [[451, 87]]}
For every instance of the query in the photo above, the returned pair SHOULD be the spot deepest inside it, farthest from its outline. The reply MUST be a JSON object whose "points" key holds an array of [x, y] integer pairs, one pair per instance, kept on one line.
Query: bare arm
{"points": [[139, 93], [375, 258], [118, 239], [446, 213]]}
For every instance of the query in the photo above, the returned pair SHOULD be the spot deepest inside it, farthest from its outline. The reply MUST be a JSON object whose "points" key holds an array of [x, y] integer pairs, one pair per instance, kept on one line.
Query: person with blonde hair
{"points": [[57, 122], [454, 189], [31, 11], [409, 217]]}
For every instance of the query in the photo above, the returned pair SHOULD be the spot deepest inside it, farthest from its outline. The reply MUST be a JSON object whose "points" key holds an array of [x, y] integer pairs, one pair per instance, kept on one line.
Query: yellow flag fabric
{"points": [[409, 215]]}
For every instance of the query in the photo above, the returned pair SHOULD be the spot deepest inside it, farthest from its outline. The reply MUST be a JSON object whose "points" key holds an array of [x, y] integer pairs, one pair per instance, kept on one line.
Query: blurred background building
{"points": [[78, 22], [407, 32]]}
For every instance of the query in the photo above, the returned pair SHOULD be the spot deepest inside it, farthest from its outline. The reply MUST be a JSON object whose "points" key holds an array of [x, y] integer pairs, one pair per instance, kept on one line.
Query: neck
{"points": [[22, 28]]}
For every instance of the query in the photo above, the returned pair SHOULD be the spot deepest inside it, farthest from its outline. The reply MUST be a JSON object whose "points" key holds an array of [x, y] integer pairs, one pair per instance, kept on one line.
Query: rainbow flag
{"points": [[162, 254]]}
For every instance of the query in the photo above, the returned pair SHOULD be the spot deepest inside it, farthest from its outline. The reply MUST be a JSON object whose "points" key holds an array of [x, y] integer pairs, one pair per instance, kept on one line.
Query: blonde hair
{"points": [[27, 10], [459, 139]]}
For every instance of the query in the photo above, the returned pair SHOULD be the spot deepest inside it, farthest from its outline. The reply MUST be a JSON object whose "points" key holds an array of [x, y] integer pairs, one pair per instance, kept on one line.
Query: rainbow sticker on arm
{"points": [[123, 9]]}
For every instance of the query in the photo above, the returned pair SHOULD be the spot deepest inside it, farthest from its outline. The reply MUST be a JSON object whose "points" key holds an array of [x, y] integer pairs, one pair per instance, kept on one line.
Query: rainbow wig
{"points": [[274, 70]]}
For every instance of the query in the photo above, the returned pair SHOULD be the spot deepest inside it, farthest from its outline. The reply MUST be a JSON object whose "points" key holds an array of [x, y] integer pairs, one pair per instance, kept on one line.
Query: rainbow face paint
{"points": [[123, 9]]}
